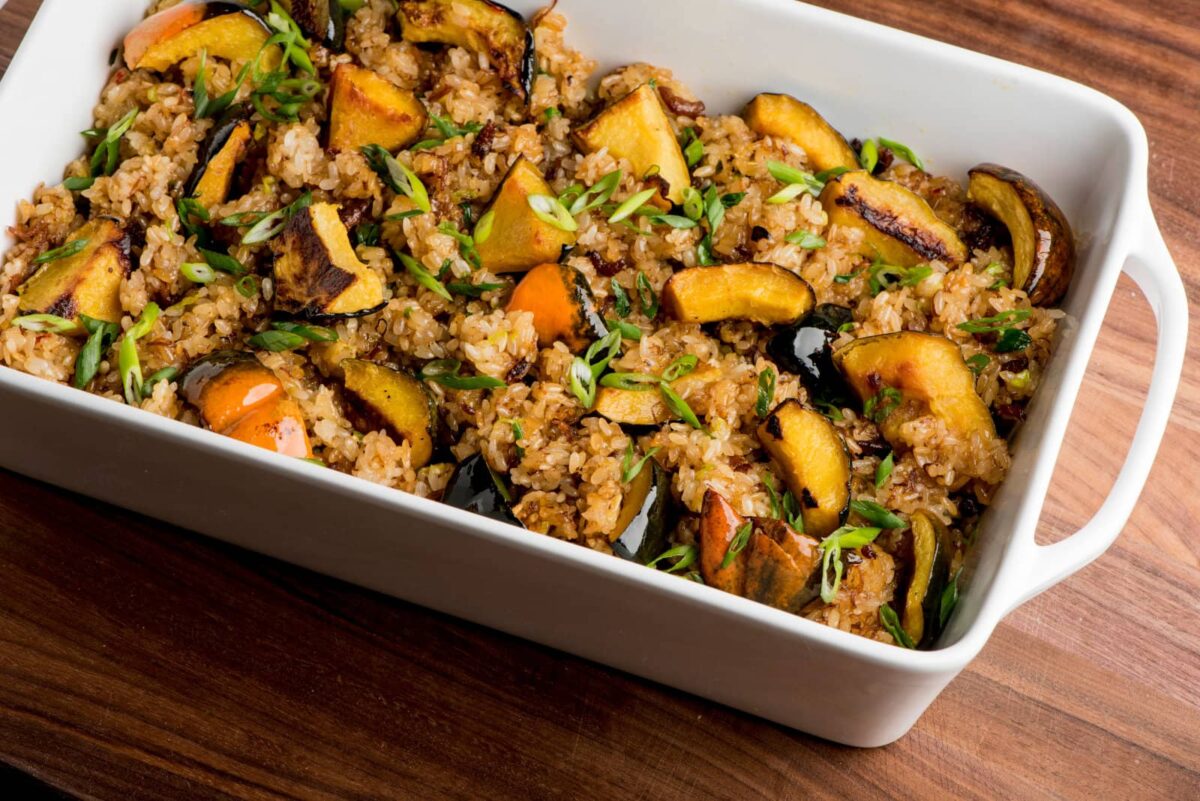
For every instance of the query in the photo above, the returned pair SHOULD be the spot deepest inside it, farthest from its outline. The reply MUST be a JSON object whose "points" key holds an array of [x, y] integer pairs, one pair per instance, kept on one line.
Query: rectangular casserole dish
{"points": [[1087, 150]]}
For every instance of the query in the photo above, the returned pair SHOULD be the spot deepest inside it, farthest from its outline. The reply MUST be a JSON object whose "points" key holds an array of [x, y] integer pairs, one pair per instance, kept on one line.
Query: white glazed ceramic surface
{"points": [[954, 107]]}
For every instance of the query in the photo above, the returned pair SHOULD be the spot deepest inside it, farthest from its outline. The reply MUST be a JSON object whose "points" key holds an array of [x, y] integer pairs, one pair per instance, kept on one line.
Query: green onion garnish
{"points": [[423, 276], [45, 323], [766, 392], [398, 177], [446, 373], [884, 471], [876, 514], [631, 469], [737, 544], [685, 555], [887, 616], [198, 273], [549, 210], [128, 362], [65, 252], [682, 366], [631, 205], [903, 151], [806, 240]]}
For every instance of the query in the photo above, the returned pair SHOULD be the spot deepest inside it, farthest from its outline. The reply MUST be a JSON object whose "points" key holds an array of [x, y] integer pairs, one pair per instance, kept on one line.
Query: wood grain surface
{"points": [[140, 661]]}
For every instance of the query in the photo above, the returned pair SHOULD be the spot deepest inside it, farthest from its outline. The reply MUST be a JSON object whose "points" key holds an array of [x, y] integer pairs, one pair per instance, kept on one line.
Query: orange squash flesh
{"points": [[240, 398], [519, 239], [719, 524], [89, 282], [214, 182], [562, 306], [366, 109], [224, 30]]}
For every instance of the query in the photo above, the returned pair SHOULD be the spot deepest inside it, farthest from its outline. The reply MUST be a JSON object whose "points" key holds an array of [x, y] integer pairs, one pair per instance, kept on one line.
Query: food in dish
{"points": [[742, 349]]}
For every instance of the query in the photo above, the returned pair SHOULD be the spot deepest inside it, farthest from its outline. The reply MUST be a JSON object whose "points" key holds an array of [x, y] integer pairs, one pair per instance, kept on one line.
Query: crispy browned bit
{"points": [[739, 464], [354, 212], [868, 551], [483, 140], [886, 157], [741, 252], [758, 233], [518, 371], [680, 105], [664, 186], [604, 267], [1016, 364]]}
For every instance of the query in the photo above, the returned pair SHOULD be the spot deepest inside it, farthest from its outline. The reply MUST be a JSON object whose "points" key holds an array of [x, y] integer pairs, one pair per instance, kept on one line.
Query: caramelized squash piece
{"points": [[88, 282], [367, 109], [764, 293], [719, 525], [921, 618], [898, 225], [647, 408], [562, 305], [219, 158], [519, 239], [322, 21], [813, 462], [381, 397], [637, 128], [317, 272], [928, 372], [474, 486], [1042, 242], [225, 30], [480, 26], [240, 398], [785, 117], [643, 525]]}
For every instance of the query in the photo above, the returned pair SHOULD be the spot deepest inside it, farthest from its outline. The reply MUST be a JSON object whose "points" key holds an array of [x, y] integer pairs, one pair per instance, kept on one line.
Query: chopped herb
{"points": [[167, 374], [64, 252], [881, 406], [903, 151], [1013, 339], [273, 224], [824, 176], [628, 330], [446, 373], [586, 370], [313, 333], [198, 273], [737, 544], [621, 303], [367, 234], [846, 326], [766, 392], [831, 561], [596, 195], [868, 156], [679, 406], [447, 130], [685, 556], [647, 297], [398, 177], [797, 181], [223, 262], [549, 210], [629, 468], [78, 183], [704, 251], [887, 616], [693, 203], [672, 220], [212, 107], [247, 286], [631, 204], [107, 154], [978, 362], [830, 411], [101, 335], [776, 507], [997, 322], [48, 323], [787, 194], [682, 366], [1019, 381], [403, 215], [846, 277], [551, 113], [876, 514], [949, 599], [128, 362], [423, 276], [472, 290], [693, 148], [277, 341], [483, 228], [351, 6], [884, 471], [518, 432], [806, 240], [792, 512], [636, 382], [466, 244]]}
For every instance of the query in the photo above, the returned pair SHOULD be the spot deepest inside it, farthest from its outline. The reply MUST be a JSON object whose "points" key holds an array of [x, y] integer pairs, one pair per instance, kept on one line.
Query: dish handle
{"points": [[1151, 266]]}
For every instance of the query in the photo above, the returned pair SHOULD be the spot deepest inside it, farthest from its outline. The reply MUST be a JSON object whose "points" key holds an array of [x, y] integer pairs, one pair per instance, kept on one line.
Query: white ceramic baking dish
{"points": [[954, 107]]}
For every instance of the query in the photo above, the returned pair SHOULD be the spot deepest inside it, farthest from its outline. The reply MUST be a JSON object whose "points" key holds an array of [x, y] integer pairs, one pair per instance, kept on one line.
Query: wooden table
{"points": [[140, 661]]}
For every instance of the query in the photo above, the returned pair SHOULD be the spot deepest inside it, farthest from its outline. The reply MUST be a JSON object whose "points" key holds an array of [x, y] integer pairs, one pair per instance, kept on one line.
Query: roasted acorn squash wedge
{"points": [[719, 525], [813, 463], [647, 408], [88, 282], [240, 398], [898, 225], [219, 159], [785, 117], [562, 305], [224, 30], [322, 21], [644, 522], [1042, 242], [637, 128], [474, 486], [478, 25], [381, 397], [927, 375], [931, 550], [782, 566], [367, 109], [317, 272], [519, 239], [763, 293]]}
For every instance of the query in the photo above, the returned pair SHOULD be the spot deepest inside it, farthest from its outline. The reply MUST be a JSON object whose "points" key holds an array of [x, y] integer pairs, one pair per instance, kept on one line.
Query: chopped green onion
{"points": [[949, 599], [824, 176], [884, 471], [585, 371], [273, 224], [598, 194], [876, 514], [679, 406], [313, 333], [844, 537], [550, 113], [631, 469], [682, 366], [223, 262], [247, 286], [128, 362], [997, 322], [101, 335], [887, 616], [704, 251], [693, 148], [647, 296], [48, 323], [367, 234], [628, 330], [631, 205], [483, 228], [167, 374], [636, 382], [766, 392], [685, 554], [787, 194], [881, 406], [737, 544], [621, 303], [278, 341], [1020, 381], [198, 273], [423, 276], [78, 183], [830, 411], [776, 508], [403, 215], [903, 151], [787, 174], [549, 210], [978, 362], [398, 177], [791, 510], [472, 290], [466, 244], [64, 252], [868, 157], [806, 240], [1013, 339], [693, 203], [446, 373]]}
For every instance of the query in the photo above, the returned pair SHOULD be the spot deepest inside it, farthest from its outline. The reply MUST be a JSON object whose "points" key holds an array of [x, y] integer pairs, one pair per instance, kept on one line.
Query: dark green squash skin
{"points": [[806, 350], [589, 324], [215, 143], [646, 536], [473, 486]]}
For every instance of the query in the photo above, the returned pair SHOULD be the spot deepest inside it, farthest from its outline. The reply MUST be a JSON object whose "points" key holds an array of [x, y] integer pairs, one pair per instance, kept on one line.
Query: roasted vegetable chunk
{"points": [[321, 20], [381, 397], [805, 349], [317, 273], [366, 109], [224, 30], [474, 486], [898, 226], [647, 407], [88, 282], [776, 565], [519, 239], [813, 462], [643, 525], [931, 548], [764, 293], [910, 374], [785, 117], [238, 397], [478, 25], [562, 305], [219, 158], [1042, 242], [637, 128]]}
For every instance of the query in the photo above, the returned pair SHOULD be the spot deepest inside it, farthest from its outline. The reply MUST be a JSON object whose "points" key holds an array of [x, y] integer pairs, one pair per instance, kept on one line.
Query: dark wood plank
{"points": [[139, 661]]}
